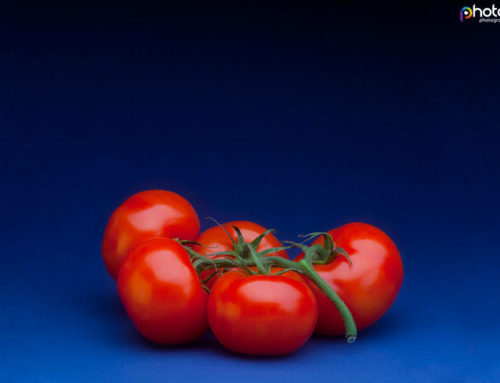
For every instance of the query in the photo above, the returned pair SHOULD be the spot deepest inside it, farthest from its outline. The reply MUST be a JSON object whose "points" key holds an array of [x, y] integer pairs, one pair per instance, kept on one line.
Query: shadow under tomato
{"points": [[109, 319], [105, 304], [114, 326], [202, 343], [226, 353], [208, 343], [393, 323]]}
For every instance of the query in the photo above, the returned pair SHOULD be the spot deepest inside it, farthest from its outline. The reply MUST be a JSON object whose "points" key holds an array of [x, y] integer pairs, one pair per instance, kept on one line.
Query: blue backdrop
{"points": [[300, 116]]}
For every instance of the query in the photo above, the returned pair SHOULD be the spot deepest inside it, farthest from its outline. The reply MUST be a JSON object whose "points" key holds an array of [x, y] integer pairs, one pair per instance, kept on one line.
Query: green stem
{"points": [[256, 259], [350, 326], [305, 268]]}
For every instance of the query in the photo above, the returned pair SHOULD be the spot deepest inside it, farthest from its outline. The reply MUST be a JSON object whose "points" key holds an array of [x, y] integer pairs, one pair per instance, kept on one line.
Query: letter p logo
{"points": [[465, 13]]}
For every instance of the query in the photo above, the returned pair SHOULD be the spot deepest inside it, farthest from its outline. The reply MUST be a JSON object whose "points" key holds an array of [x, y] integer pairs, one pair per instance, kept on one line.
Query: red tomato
{"points": [[161, 292], [215, 239], [145, 215], [261, 314], [369, 287]]}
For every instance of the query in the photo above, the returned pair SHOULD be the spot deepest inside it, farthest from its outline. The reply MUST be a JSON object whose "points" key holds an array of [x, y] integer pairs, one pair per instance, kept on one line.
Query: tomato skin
{"points": [[215, 239], [161, 292], [262, 314], [145, 215], [369, 287]]}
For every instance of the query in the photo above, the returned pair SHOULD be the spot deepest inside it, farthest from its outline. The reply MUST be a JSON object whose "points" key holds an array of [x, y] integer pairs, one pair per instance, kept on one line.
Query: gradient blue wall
{"points": [[301, 116]]}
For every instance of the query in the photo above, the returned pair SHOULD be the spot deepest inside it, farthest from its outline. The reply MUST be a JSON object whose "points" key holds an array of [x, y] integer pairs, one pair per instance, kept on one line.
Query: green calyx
{"points": [[247, 258], [321, 254]]}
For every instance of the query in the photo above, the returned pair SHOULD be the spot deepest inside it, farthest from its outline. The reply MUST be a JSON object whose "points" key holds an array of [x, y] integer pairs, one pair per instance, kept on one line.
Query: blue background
{"points": [[301, 116]]}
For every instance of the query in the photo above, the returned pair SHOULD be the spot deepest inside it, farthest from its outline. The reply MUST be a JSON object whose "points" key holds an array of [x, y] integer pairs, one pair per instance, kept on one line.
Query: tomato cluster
{"points": [[237, 278]]}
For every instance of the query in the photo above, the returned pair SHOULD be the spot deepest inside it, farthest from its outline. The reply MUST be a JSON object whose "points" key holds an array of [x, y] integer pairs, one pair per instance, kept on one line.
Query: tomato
{"points": [[368, 287], [215, 239], [145, 215], [261, 314], [161, 292]]}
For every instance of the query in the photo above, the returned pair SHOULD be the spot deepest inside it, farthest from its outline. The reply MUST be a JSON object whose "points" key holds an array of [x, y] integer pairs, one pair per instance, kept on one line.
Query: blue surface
{"points": [[300, 117]]}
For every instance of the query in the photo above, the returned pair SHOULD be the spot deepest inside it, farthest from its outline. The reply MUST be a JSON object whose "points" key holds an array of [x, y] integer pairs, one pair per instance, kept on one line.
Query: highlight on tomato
{"points": [[262, 314], [368, 286], [223, 237], [145, 215], [162, 293]]}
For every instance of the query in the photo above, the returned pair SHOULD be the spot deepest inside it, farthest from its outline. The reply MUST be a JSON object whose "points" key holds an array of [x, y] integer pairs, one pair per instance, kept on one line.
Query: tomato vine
{"points": [[246, 258]]}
